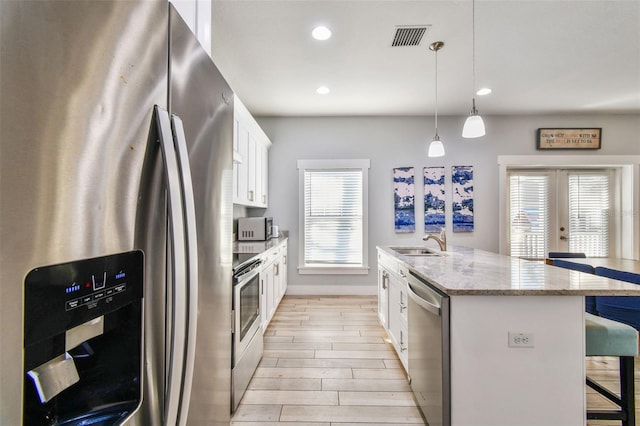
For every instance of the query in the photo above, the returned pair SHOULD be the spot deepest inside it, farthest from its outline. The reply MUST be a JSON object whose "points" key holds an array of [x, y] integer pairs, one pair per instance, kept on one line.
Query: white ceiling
{"points": [[538, 56]]}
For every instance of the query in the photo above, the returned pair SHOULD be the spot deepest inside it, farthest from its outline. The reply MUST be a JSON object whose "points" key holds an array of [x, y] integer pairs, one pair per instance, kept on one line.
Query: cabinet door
{"points": [[251, 171], [259, 173], [283, 271], [264, 172], [403, 296], [275, 294], [241, 140], [393, 318], [397, 316], [197, 15], [266, 295], [383, 296], [263, 299], [251, 145]]}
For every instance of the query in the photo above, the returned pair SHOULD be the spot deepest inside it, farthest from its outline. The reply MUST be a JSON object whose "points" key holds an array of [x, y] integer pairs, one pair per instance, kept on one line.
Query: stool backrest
{"points": [[589, 301], [629, 277], [625, 309], [567, 264], [565, 254]]}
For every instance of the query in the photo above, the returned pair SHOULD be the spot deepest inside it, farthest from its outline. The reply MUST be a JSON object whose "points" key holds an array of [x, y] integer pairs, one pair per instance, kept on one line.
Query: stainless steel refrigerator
{"points": [[106, 110]]}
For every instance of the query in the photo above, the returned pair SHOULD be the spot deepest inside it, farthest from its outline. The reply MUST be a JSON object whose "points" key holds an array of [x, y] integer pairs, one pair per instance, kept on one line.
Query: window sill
{"points": [[333, 270]]}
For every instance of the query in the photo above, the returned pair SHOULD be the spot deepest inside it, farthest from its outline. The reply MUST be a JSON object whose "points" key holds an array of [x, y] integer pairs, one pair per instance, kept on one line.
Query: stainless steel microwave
{"points": [[255, 228]]}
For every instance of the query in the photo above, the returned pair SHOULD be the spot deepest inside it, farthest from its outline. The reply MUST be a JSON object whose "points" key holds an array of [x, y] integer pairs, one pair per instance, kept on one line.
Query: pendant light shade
{"points": [[474, 126], [436, 148]]}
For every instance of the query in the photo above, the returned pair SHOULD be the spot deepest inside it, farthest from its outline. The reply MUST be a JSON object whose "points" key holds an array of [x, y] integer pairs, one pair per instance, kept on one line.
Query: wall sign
{"points": [[569, 138]]}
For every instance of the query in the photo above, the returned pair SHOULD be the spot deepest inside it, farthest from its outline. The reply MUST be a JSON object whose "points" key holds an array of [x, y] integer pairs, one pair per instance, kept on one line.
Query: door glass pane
{"points": [[529, 215], [589, 214]]}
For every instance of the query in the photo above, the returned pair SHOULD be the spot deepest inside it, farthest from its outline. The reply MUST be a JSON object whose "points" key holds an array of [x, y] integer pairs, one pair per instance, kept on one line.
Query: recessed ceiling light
{"points": [[321, 33], [322, 90], [483, 91]]}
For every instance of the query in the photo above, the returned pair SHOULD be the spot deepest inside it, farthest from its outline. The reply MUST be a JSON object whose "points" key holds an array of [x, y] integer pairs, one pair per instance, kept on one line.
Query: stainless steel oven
{"points": [[247, 336]]}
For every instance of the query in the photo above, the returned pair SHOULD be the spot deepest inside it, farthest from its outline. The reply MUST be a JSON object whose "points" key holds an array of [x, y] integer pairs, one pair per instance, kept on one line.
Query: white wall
{"points": [[402, 142]]}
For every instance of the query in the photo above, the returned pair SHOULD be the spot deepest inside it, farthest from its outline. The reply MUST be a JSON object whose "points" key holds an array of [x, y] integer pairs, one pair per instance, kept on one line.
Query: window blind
{"points": [[529, 215], [333, 217], [589, 214]]}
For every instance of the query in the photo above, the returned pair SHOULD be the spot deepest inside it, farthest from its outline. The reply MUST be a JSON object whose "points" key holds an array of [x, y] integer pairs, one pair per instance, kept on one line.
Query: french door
{"points": [[561, 210]]}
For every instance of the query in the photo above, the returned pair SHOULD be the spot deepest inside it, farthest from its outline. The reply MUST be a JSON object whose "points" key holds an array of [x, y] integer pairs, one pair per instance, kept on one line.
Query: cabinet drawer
{"points": [[388, 262]]}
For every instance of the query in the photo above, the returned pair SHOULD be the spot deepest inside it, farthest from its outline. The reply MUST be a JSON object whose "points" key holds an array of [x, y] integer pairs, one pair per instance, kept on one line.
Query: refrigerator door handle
{"points": [[180, 143], [178, 264]]}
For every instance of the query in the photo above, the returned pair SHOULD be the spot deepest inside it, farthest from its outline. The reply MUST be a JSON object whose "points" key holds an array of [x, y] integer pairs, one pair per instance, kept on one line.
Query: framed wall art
{"points": [[462, 196], [404, 199], [433, 180]]}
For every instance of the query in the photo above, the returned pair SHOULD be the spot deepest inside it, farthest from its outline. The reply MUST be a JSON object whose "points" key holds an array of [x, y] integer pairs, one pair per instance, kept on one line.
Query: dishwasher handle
{"points": [[431, 306]]}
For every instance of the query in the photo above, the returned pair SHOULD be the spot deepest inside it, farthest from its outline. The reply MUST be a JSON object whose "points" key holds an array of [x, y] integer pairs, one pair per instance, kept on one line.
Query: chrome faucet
{"points": [[441, 240]]}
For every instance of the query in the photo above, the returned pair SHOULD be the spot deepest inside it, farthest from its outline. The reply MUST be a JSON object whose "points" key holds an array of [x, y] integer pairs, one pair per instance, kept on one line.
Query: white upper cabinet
{"points": [[197, 15], [250, 159]]}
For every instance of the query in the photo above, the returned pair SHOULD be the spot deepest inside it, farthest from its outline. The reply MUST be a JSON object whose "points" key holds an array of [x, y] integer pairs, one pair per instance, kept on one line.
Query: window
{"points": [[560, 210], [333, 216]]}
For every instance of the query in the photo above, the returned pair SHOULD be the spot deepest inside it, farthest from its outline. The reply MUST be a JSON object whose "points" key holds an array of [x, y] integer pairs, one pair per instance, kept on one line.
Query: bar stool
{"points": [[615, 333], [605, 337]]}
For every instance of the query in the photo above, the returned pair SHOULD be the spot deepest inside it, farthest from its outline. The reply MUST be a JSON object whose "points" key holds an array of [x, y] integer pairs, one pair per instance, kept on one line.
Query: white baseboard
{"points": [[332, 290]]}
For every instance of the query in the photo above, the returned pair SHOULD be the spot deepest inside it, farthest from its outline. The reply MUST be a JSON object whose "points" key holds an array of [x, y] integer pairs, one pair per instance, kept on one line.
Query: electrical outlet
{"points": [[520, 340]]}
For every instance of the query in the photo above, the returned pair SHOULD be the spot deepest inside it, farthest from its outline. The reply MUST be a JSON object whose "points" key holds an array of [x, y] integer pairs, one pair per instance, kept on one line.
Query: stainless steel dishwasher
{"points": [[429, 362]]}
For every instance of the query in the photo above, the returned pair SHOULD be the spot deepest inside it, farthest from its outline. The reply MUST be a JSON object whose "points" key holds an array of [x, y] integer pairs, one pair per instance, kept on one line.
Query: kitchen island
{"points": [[490, 299]]}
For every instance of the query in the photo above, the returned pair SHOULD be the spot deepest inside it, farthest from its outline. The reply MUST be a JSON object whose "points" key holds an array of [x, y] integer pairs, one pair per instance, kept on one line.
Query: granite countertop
{"points": [[468, 271]]}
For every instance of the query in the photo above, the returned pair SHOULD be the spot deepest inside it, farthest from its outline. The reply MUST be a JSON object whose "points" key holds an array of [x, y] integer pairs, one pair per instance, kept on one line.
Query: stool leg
{"points": [[627, 390]]}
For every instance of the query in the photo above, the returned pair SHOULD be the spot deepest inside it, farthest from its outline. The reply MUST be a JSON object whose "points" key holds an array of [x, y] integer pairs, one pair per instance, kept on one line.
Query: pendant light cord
{"points": [[436, 94], [473, 46]]}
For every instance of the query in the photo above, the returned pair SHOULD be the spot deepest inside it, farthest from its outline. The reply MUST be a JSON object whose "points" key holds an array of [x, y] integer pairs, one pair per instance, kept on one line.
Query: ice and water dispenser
{"points": [[83, 341]]}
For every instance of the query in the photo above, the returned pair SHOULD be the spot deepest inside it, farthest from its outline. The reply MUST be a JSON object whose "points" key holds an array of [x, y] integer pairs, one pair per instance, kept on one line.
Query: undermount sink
{"points": [[415, 251]]}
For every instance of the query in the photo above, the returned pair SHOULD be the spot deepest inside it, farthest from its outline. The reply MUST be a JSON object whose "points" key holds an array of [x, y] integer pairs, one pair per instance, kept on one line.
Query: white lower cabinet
{"points": [[383, 295], [393, 303], [273, 281], [282, 271]]}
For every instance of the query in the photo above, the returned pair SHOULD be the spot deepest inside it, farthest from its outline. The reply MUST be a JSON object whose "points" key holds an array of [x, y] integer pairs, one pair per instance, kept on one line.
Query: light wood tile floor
{"points": [[327, 363]]}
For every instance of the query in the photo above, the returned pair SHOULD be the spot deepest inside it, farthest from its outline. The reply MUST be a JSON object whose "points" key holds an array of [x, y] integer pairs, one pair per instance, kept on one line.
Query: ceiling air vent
{"points": [[409, 36]]}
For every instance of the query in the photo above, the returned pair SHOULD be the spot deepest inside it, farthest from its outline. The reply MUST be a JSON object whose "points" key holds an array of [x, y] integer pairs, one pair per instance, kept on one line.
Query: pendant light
{"points": [[436, 148], [474, 126]]}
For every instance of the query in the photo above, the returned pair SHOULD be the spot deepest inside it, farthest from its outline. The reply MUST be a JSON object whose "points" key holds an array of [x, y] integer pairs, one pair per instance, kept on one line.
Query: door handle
{"points": [[563, 238], [191, 302], [178, 264], [425, 304]]}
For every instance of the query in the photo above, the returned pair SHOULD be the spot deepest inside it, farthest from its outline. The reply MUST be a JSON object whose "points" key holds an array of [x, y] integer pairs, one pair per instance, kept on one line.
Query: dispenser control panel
{"points": [[97, 289], [62, 296]]}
